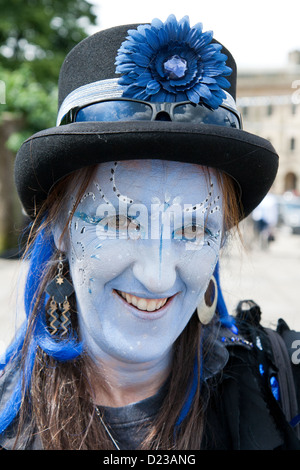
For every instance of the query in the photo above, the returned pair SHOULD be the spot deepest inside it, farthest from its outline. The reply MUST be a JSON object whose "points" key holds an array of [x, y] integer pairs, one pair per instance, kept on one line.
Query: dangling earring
{"points": [[59, 289], [206, 312]]}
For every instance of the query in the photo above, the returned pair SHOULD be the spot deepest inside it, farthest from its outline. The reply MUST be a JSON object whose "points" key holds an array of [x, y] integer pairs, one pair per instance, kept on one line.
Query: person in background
{"points": [[265, 219]]}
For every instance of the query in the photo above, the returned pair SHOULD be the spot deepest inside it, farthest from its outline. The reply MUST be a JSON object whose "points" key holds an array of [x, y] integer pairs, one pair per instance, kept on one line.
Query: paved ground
{"points": [[271, 278]]}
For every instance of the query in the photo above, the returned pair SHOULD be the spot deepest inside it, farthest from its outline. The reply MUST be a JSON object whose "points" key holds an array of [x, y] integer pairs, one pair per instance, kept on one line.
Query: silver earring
{"points": [[206, 312]]}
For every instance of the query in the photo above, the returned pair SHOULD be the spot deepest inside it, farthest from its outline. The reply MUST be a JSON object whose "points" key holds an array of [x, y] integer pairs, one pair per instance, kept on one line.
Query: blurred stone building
{"points": [[270, 104]]}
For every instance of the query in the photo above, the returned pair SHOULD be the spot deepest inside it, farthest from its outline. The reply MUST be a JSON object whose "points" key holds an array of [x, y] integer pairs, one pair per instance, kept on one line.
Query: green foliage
{"points": [[29, 100], [35, 36], [41, 32]]}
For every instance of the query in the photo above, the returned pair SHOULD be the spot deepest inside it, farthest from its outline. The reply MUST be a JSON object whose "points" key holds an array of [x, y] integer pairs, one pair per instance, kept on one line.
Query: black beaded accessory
{"points": [[60, 290]]}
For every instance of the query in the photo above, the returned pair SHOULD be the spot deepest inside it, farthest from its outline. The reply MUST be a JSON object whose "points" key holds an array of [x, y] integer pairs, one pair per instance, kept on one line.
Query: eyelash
{"points": [[203, 230], [94, 220]]}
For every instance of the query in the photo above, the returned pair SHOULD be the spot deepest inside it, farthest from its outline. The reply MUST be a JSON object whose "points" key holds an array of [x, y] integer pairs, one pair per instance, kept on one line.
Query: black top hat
{"points": [[169, 63]]}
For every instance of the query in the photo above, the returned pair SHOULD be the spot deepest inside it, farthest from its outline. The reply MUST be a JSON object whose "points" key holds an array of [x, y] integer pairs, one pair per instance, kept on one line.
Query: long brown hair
{"points": [[59, 402]]}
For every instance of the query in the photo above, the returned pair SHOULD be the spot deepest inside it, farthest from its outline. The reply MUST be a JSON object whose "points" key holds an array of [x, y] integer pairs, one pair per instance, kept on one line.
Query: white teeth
{"points": [[141, 304], [152, 305], [144, 304]]}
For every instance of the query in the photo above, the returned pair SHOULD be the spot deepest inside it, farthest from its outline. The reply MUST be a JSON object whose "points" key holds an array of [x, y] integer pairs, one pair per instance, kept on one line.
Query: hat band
{"points": [[107, 89], [88, 94]]}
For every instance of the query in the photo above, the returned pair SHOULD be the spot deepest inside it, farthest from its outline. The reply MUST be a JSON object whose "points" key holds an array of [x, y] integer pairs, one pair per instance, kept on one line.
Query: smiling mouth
{"points": [[146, 305]]}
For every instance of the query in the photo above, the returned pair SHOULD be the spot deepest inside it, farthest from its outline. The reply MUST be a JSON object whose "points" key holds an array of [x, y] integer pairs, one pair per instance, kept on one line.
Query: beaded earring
{"points": [[60, 290]]}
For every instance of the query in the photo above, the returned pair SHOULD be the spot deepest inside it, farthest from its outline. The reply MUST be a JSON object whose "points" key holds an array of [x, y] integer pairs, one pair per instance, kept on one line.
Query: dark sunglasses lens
{"points": [[201, 115], [115, 111]]}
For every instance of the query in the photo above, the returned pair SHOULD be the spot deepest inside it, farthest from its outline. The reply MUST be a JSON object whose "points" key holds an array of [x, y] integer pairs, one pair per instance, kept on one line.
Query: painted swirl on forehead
{"points": [[211, 207], [207, 205], [122, 197]]}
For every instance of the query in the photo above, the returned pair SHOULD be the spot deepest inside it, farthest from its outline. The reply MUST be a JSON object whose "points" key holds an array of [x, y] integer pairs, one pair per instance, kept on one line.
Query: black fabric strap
{"points": [[285, 375]]}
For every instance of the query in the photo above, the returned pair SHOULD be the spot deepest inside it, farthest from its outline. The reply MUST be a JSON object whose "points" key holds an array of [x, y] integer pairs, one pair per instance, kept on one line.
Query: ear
{"points": [[60, 235]]}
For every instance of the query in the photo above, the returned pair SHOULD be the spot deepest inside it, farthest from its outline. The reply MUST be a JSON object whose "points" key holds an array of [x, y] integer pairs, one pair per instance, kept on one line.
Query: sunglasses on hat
{"points": [[123, 109]]}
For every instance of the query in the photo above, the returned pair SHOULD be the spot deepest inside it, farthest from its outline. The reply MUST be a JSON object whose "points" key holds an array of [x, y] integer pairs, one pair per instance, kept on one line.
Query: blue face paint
{"points": [[151, 240]]}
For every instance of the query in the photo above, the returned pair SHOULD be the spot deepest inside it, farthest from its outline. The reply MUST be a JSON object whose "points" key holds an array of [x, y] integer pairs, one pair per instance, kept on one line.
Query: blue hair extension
{"points": [[226, 319], [13, 405], [62, 350], [190, 397], [40, 254], [188, 402]]}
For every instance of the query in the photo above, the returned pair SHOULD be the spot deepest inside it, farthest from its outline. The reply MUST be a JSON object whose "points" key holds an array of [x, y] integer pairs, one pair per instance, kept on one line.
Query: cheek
{"points": [[197, 267], [93, 261]]}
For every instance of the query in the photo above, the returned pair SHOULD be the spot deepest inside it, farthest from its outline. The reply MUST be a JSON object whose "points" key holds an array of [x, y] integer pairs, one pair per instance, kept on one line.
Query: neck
{"points": [[116, 383]]}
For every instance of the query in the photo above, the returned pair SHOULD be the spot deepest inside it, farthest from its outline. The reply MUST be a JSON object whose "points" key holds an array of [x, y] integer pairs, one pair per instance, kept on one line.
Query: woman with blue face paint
{"points": [[127, 342]]}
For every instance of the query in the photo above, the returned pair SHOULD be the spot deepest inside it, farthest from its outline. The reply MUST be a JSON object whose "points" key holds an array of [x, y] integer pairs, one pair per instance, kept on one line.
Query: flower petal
{"points": [[199, 27], [209, 80], [136, 36], [157, 23], [193, 96], [222, 82], [142, 57], [153, 87], [124, 68], [146, 50], [203, 90], [163, 37], [161, 96], [152, 39]]}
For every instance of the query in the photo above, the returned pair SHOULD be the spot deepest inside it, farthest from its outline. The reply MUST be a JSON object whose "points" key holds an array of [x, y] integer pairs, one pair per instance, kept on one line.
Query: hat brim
{"points": [[49, 155]]}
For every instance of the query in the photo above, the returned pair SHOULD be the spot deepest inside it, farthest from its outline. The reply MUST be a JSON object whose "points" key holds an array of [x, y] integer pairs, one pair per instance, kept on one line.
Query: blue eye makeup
{"points": [[122, 226], [116, 226], [94, 220], [193, 233]]}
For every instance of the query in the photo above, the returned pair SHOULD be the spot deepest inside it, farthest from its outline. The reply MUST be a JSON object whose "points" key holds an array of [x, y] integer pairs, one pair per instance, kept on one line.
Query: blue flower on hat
{"points": [[167, 62]]}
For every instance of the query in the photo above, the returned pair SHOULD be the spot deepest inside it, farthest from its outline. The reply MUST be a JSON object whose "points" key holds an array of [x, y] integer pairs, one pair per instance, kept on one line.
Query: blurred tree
{"points": [[41, 32], [28, 101], [35, 36]]}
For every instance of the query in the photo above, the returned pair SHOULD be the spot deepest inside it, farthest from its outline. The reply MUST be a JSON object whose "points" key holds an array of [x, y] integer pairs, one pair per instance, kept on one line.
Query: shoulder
{"points": [[254, 397], [267, 384]]}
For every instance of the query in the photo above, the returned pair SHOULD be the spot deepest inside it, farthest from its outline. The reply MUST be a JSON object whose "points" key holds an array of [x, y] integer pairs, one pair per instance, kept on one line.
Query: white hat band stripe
{"points": [[105, 89], [89, 94]]}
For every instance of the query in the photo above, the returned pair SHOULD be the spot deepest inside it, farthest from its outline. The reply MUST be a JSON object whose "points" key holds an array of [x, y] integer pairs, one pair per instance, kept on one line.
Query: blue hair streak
{"points": [[190, 396], [226, 319], [13, 405], [39, 256]]}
